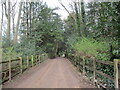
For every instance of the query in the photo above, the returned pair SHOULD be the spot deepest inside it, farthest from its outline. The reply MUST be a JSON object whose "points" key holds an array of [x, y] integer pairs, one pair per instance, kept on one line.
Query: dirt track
{"points": [[55, 73]]}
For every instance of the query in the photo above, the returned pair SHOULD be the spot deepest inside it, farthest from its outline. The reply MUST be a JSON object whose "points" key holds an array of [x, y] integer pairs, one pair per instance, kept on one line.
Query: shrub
{"points": [[91, 47], [10, 53]]}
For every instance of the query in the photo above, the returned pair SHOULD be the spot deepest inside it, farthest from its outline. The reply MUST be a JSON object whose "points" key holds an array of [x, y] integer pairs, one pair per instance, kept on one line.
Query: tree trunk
{"points": [[8, 26], [1, 39], [17, 26], [30, 17], [1, 28], [77, 18], [13, 19], [82, 18], [13, 26]]}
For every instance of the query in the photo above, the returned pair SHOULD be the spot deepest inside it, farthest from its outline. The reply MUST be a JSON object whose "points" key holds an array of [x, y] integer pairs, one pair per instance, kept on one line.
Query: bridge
{"points": [[38, 71]]}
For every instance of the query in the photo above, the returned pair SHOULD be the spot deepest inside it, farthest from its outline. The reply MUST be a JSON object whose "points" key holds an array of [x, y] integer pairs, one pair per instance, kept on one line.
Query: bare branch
{"points": [[5, 10], [17, 26], [66, 9]]}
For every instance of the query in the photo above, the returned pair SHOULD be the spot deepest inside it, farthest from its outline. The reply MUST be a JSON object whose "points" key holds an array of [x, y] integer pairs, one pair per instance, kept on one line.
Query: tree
{"points": [[8, 25], [1, 35], [17, 26], [42, 28], [13, 13], [1, 27]]}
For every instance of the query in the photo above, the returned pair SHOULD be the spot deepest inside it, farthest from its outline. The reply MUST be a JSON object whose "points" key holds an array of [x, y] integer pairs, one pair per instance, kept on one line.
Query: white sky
{"points": [[61, 11], [50, 3]]}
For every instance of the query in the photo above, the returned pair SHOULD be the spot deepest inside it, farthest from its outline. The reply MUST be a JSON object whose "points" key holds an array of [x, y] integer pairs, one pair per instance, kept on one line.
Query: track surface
{"points": [[53, 73]]}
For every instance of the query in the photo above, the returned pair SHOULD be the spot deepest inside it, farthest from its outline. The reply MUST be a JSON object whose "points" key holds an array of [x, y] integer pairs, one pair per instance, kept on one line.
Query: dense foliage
{"points": [[90, 30], [40, 31], [100, 35], [96, 36]]}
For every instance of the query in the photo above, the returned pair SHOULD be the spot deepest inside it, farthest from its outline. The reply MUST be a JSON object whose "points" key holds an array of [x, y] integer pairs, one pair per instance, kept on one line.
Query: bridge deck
{"points": [[54, 73]]}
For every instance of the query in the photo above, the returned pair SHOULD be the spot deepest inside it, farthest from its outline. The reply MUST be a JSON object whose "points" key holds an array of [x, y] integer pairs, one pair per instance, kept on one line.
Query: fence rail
{"points": [[13, 67], [77, 61]]}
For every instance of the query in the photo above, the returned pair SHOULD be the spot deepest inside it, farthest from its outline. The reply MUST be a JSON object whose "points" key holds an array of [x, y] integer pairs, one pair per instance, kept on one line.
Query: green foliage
{"points": [[45, 32], [86, 46], [10, 53], [91, 47], [41, 31], [103, 56]]}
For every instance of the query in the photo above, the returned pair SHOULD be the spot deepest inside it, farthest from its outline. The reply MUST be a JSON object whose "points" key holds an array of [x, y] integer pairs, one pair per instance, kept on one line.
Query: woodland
{"points": [[31, 28]]}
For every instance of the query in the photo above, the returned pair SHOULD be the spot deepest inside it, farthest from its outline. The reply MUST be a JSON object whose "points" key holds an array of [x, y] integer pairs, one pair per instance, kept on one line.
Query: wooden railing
{"points": [[83, 66], [14, 67]]}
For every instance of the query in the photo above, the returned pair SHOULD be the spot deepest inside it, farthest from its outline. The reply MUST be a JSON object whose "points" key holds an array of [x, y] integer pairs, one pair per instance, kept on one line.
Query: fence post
{"points": [[27, 62], [75, 61], [83, 65], [72, 58], [39, 59], [9, 69], [36, 59], [32, 58], [42, 57], [79, 61], [94, 70], [116, 73], [45, 57], [20, 64]]}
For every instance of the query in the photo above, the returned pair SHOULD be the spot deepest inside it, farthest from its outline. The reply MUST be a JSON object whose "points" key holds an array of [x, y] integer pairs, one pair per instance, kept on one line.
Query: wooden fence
{"points": [[92, 66], [11, 68]]}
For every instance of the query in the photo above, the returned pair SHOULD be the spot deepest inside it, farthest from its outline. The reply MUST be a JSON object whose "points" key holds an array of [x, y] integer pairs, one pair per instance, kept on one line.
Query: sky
{"points": [[51, 3], [61, 11]]}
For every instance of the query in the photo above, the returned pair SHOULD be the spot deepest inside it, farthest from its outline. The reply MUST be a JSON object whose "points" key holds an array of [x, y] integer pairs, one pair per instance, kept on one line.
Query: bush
{"points": [[10, 53], [91, 47]]}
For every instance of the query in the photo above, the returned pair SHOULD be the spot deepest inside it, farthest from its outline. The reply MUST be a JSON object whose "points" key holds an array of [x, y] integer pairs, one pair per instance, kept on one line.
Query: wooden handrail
{"points": [[29, 61], [105, 75], [114, 64], [116, 73], [8, 60], [105, 62], [118, 61]]}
